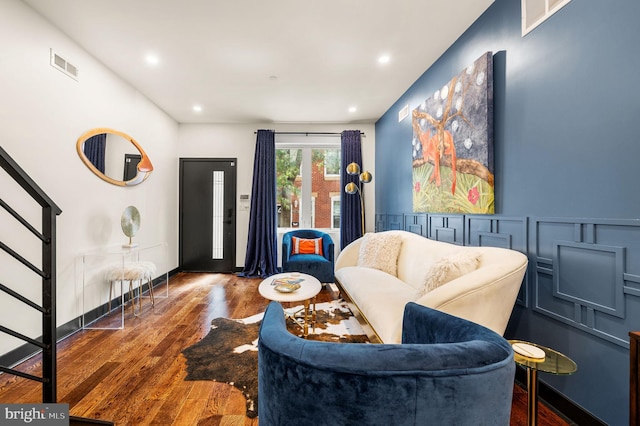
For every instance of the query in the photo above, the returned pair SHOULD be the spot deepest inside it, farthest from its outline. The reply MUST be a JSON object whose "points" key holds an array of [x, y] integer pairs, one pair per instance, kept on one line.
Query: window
{"points": [[332, 162], [335, 211], [535, 12], [308, 179]]}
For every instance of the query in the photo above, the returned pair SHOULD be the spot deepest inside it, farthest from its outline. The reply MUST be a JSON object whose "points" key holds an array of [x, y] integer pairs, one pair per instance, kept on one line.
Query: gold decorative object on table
{"points": [[287, 284], [529, 351]]}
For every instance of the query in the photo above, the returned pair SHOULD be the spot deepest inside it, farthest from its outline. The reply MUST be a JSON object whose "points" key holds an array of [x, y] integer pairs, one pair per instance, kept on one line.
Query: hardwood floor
{"points": [[135, 376]]}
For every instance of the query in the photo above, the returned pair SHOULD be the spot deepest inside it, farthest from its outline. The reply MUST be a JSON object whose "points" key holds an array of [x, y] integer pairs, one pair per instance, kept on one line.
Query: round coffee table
{"points": [[309, 288]]}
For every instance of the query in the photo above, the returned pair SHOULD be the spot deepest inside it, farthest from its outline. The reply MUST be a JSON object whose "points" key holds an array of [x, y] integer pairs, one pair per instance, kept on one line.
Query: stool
{"points": [[133, 271]]}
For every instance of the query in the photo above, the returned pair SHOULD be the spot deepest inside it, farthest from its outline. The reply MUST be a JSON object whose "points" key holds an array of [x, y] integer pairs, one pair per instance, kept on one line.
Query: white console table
{"points": [[104, 309]]}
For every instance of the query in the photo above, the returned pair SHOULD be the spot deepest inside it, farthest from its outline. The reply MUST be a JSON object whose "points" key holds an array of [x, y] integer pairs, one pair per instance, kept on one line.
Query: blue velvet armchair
{"points": [[447, 371], [319, 266]]}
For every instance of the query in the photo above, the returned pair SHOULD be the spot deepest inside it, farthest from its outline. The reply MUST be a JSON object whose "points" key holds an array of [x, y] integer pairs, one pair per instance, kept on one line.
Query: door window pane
{"points": [[217, 245]]}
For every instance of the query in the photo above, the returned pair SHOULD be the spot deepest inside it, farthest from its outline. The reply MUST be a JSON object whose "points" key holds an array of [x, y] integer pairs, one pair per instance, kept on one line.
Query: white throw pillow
{"points": [[380, 251], [449, 268]]}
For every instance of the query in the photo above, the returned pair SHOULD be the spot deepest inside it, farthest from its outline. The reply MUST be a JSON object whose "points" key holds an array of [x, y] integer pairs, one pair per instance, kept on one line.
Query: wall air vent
{"points": [[63, 65], [403, 113], [535, 12]]}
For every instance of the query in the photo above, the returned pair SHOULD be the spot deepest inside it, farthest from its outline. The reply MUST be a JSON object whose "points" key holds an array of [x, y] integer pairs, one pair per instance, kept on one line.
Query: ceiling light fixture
{"points": [[197, 108], [384, 59], [152, 59], [353, 109]]}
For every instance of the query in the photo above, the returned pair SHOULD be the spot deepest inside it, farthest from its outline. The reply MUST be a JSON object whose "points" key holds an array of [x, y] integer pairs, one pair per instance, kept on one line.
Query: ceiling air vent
{"points": [[61, 64]]}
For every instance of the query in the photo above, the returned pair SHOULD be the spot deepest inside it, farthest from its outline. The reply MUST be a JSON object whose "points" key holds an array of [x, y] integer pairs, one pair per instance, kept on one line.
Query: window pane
{"points": [[325, 177], [288, 184], [535, 10], [332, 162], [335, 214]]}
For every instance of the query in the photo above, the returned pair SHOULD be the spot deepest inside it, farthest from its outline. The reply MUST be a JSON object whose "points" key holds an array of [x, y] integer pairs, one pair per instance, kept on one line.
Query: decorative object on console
{"points": [[114, 156], [130, 223], [453, 144], [352, 187]]}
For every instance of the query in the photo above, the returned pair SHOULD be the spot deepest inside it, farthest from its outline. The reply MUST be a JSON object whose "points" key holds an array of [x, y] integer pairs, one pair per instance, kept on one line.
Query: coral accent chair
{"points": [[299, 254]]}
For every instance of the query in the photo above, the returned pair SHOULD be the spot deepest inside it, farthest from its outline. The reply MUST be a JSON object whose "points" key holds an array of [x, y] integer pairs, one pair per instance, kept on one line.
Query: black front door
{"points": [[208, 214]]}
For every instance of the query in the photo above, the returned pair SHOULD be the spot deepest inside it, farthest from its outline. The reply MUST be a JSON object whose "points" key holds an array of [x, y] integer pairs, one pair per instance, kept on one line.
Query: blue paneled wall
{"points": [[566, 146]]}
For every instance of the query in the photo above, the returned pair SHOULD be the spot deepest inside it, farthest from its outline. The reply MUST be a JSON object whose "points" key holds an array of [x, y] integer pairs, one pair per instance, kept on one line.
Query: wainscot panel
{"points": [[447, 228], [587, 274], [416, 223], [500, 231], [381, 222]]}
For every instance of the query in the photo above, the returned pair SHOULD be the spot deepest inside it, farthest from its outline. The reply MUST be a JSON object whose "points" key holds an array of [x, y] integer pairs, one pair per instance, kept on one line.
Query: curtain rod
{"points": [[310, 133]]}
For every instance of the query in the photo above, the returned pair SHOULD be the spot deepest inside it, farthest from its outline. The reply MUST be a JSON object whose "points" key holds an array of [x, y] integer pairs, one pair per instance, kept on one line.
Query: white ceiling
{"points": [[266, 61]]}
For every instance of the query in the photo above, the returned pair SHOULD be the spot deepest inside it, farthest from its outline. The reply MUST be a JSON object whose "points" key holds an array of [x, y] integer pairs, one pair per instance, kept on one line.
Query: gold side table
{"points": [[554, 362]]}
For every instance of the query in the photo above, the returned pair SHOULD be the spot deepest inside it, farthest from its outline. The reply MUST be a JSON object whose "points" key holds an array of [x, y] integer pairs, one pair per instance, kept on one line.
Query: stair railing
{"points": [[47, 272]]}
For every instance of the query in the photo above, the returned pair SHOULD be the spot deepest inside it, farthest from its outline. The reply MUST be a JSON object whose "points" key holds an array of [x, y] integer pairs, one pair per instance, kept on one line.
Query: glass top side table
{"points": [[554, 362]]}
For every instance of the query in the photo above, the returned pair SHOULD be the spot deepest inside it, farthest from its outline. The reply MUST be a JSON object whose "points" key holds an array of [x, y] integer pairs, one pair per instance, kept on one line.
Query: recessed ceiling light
{"points": [[353, 109], [152, 59], [197, 108], [383, 59]]}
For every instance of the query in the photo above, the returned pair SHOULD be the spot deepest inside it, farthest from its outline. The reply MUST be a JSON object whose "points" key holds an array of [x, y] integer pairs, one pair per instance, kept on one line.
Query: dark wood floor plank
{"points": [[84, 387]]}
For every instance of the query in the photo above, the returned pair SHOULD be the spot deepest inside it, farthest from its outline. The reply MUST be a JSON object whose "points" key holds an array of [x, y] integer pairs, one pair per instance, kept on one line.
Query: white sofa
{"points": [[485, 293]]}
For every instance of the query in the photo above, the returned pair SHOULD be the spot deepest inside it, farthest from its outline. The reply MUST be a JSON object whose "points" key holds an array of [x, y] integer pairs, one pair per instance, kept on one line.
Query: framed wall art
{"points": [[453, 144]]}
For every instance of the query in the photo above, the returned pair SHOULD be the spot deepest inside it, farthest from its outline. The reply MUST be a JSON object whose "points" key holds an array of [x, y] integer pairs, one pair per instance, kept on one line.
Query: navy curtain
{"points": [[94, 149], [350, 215], [262, 255]]}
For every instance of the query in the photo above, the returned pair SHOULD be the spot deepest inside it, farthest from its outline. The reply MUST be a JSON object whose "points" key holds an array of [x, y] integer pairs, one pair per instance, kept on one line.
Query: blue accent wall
{"points": [[566, 153]]}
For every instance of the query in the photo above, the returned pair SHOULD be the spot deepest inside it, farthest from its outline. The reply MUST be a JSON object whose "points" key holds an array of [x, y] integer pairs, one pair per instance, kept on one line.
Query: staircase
{"points": [[47, 272]]}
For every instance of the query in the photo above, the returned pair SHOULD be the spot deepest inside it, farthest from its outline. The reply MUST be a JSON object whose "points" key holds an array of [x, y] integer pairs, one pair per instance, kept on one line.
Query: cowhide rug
{"points": [[229, 353]]}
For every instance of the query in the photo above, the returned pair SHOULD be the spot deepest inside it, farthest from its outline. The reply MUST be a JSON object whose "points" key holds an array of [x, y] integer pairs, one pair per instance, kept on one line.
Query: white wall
{"points": [[239, 140], [42, 114]]}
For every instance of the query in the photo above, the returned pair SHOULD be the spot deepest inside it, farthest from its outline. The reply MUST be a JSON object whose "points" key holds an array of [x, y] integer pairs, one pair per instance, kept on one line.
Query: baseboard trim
{"points": [[564, 407], [26, 351]]}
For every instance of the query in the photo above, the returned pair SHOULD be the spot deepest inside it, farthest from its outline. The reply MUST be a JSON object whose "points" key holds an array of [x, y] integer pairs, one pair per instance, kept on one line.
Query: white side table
{"points": [[309, 289]]}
